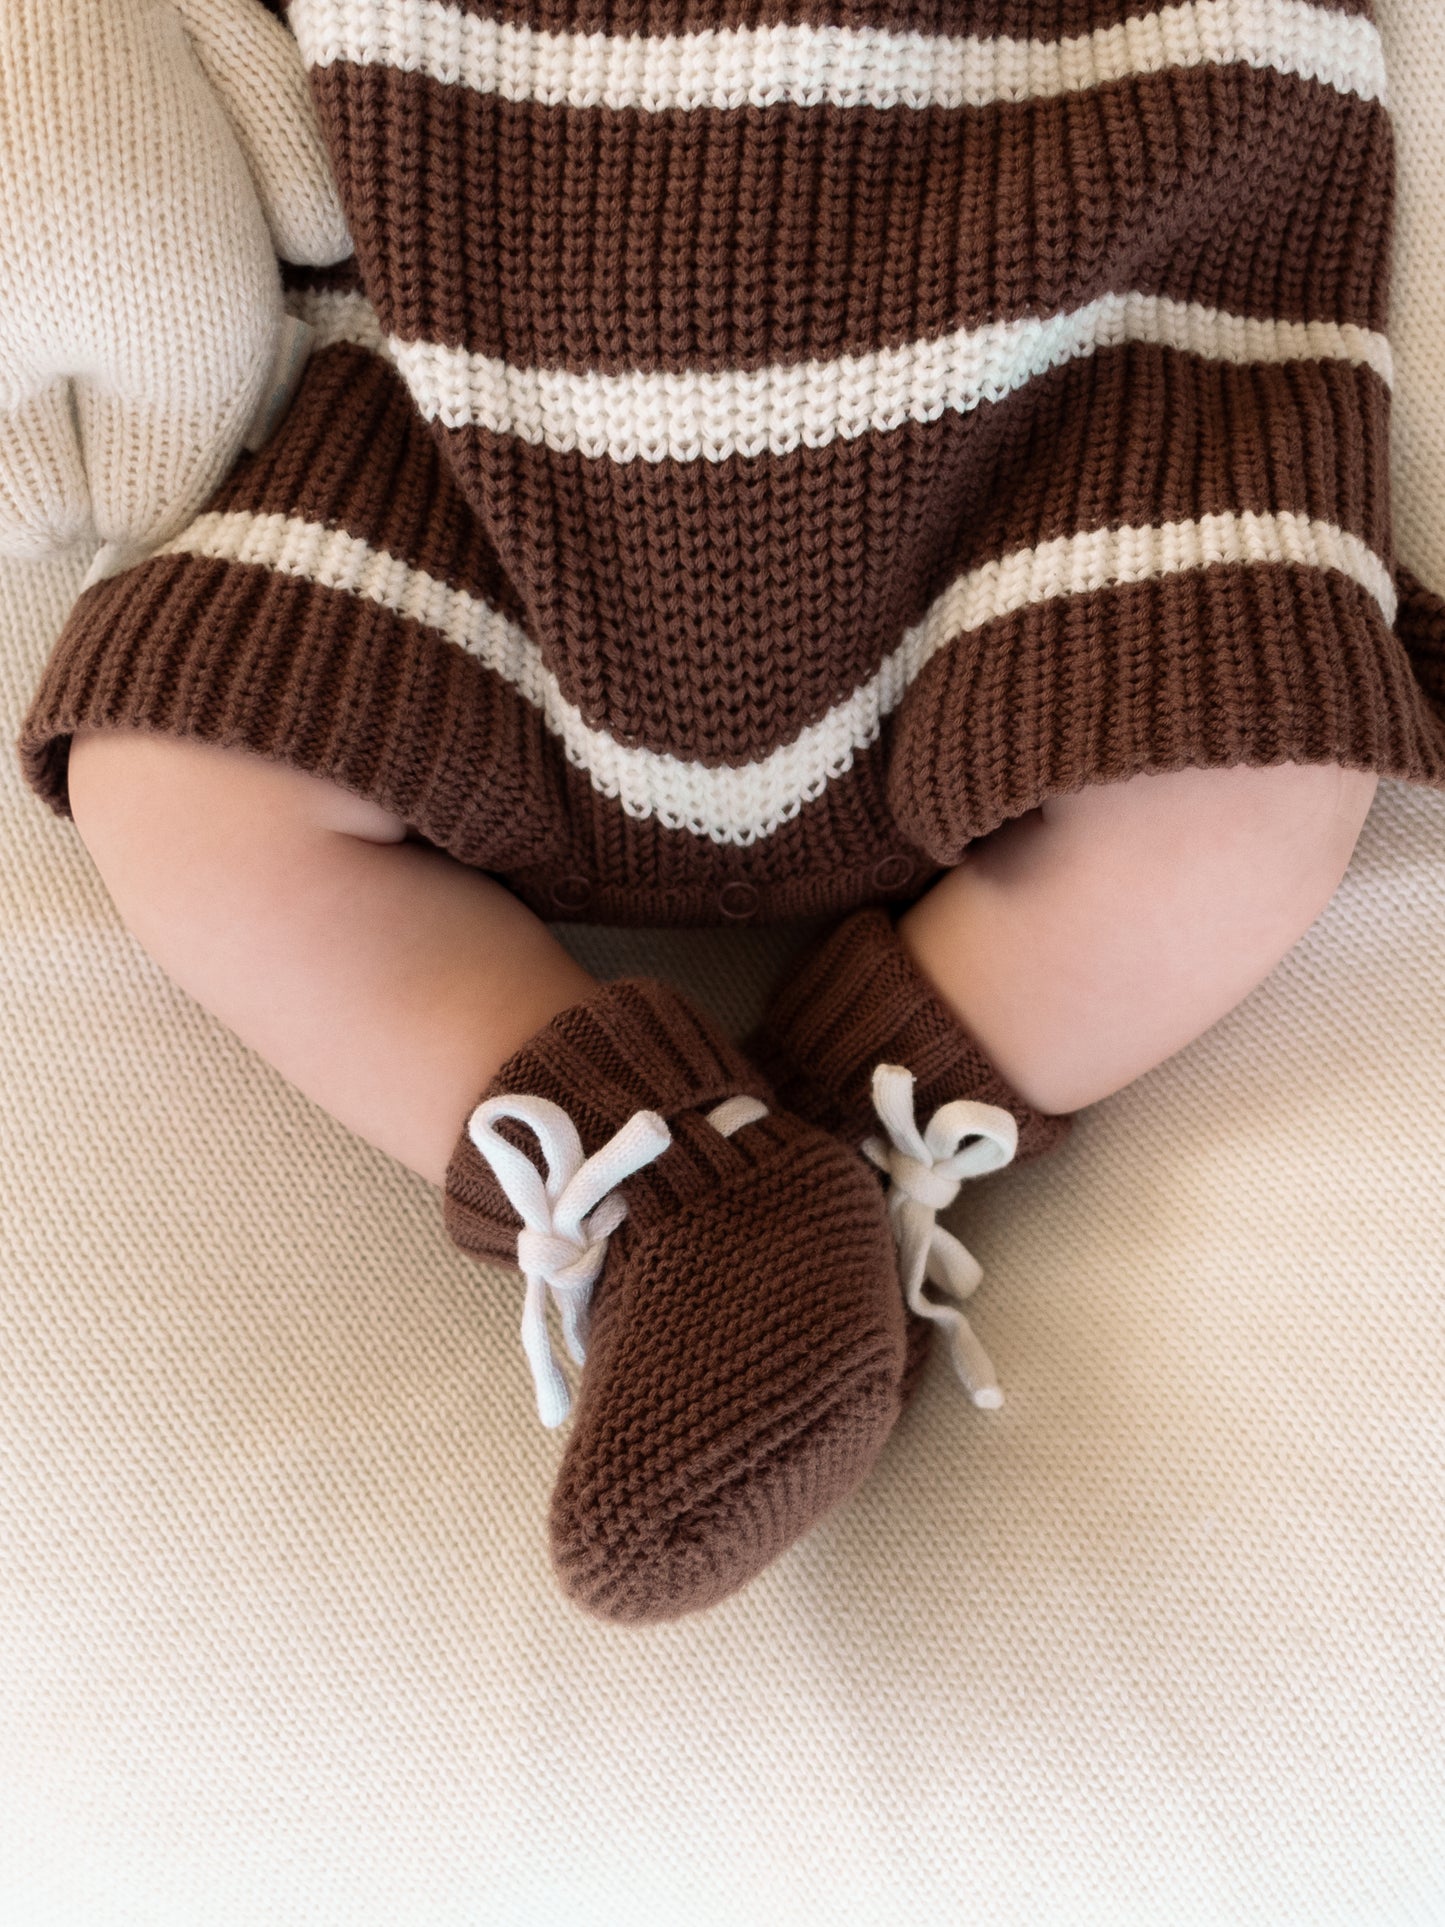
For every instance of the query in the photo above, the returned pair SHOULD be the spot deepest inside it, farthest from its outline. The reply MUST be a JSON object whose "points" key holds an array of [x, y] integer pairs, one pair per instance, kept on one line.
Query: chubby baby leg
{"points": [[393, 985], [1088, 941], [385, 980]]}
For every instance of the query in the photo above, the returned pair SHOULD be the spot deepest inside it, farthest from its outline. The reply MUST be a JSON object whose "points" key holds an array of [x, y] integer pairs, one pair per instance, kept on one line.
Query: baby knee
{"points": [[1313, 812], [1304, 817]]}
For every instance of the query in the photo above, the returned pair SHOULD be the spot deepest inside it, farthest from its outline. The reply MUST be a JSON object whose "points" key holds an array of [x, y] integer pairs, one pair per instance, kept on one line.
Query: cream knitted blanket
{"points": [[1161, 1643]]}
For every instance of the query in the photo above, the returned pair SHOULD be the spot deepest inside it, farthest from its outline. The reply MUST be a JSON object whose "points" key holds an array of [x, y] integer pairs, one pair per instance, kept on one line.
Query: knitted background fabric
{"points": [[1161, 1643], [763, 449]]}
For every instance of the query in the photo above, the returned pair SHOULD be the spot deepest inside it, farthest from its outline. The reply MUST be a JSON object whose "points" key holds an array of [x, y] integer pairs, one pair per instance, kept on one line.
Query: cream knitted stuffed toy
{"points": [[155, 157]]}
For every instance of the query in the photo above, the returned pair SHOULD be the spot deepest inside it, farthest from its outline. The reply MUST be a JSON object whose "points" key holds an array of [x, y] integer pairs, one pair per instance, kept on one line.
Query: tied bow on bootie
{"points": [[566, 1221], [924, 1170]]}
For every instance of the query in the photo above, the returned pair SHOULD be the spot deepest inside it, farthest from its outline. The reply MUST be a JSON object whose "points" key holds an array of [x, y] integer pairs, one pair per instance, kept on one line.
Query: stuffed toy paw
{"points": [[155, 158]]}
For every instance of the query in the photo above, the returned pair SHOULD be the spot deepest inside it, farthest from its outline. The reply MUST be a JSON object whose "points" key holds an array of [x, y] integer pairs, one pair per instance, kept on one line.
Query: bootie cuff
{"points": [[858, 1001], [636, 1045]]}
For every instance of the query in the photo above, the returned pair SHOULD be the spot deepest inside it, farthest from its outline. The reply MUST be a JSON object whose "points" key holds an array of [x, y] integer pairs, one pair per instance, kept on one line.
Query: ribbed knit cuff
{"points": [[1420, 626], [858, 1001], [276, 642], [635, 1045]]}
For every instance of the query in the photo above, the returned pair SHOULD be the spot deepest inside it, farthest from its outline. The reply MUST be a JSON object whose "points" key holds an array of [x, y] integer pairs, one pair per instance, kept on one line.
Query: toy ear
{"points": [[150, 464], [44, 495], [255, 69]]}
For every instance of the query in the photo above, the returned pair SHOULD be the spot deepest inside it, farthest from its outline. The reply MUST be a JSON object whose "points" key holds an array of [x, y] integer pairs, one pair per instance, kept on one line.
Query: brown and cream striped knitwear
{"points": [[762, 445]]}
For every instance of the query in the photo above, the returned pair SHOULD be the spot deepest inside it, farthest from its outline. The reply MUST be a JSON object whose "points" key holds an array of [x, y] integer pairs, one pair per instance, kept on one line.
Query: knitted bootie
{"points": [[857, 1038], [730, 1269]]}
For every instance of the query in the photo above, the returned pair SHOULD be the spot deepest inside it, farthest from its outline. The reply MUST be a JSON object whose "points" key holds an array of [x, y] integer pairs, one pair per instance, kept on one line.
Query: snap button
{"points": [[571, 893], [892, 872], [737, 901]]}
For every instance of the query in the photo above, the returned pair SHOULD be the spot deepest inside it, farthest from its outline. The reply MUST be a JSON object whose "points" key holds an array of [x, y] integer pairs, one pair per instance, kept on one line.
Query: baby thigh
{"points": [[382, 978], [1091, 939]]}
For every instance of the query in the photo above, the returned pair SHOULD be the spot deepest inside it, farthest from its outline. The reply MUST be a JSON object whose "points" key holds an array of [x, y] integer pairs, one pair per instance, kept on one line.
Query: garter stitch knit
{"points": [[765, 444], [746, 1346]]}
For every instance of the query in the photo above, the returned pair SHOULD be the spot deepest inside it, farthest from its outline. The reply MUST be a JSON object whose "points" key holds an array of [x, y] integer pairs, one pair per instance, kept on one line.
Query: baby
{"points": [[916, 463]]}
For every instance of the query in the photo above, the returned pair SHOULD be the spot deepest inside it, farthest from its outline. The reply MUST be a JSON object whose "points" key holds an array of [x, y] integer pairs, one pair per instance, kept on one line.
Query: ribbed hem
{"points": [[1210, 668], [1420, 626], [858, 1001], [1299, 668], [268, 660], [207, 650], [339, 608]]}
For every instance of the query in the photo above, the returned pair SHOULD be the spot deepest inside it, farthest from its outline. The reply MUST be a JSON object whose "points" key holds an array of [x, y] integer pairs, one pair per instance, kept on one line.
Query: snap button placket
{"points": [[737, 901], [892, 872], [572, 893]]}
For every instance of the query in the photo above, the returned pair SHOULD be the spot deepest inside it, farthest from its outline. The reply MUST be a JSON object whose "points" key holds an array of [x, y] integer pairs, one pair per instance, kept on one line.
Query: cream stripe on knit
{"points": [[831, 65], [741, 805], [690, 415], [339, 314]]}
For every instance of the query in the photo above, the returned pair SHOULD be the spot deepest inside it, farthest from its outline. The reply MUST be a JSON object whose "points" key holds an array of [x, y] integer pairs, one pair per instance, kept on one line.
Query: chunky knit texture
{"points": [[1163, 1646], [847, 423], [154, 159], [746, 1343], [859, 1000], [856, 1002]]}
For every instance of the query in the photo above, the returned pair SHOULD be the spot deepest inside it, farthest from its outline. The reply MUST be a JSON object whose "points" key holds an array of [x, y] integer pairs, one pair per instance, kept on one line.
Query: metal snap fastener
{"points": [[737, 901], [892, 872], [571, 893]]}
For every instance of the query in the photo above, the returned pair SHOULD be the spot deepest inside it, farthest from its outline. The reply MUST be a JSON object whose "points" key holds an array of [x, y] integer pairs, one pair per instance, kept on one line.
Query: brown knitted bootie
{"points": [[855, 1007], [730, 1271]]}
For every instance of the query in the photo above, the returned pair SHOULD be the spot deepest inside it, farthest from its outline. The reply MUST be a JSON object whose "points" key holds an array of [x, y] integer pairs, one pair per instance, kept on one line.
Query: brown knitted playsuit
{"points": [[767, 443], [761, 446]]}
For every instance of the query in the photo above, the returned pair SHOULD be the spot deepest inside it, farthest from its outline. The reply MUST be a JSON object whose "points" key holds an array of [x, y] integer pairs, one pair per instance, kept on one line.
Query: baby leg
{"points": [[1086, 942], [392, 984], [382, 978]]}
